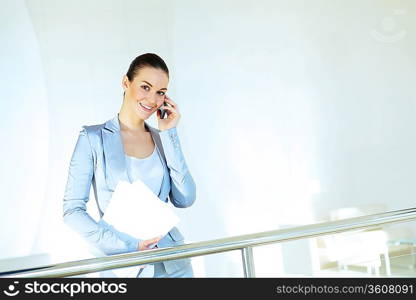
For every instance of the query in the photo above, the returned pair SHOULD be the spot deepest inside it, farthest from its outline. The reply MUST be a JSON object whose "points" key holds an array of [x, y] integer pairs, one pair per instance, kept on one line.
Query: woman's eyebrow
{"points": [[152, 85]]}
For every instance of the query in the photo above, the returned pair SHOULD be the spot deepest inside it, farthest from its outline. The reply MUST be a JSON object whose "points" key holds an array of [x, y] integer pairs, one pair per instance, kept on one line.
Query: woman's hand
{"points": [[146, 245], [173, 115]]}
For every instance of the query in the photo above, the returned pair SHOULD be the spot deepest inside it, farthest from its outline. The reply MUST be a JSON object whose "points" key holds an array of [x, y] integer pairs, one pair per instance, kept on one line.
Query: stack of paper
{"points": [[134, 209]]}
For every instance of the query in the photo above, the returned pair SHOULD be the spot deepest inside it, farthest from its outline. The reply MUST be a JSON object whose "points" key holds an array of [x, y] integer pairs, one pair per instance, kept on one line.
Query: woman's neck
{"points": [[129, 121]]}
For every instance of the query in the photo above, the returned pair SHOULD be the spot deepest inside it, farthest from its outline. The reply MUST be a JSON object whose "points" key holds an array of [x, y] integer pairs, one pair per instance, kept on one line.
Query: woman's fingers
{"points": [[147, 243], [173, 115], [172, 103], [171, 110], [144, 245]]}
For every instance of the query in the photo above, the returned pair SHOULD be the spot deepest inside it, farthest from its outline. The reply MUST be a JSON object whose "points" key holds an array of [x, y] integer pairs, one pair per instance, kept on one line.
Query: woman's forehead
{"points": [[155, 77]]}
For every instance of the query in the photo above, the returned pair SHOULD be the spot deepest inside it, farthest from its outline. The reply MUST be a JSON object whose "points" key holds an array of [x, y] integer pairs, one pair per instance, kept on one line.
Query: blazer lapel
{"points": [[156, 139], [115, 160], [114, 155]]}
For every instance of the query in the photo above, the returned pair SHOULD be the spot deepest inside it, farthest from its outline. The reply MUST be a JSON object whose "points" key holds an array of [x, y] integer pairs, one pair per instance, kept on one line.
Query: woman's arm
{"points": [[183, 189], [100, 235]]}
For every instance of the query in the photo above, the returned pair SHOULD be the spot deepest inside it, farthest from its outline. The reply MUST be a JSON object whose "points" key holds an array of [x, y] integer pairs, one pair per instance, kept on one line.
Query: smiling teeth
{"points": [[148, 107]]}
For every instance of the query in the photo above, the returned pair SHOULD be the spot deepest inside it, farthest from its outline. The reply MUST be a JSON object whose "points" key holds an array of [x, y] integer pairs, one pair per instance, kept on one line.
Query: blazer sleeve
{"points": [[183, 189], [101, 235]]}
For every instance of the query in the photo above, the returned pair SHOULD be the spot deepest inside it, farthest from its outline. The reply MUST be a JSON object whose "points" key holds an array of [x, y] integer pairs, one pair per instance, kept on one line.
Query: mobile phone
{"points": [[163, 112]]}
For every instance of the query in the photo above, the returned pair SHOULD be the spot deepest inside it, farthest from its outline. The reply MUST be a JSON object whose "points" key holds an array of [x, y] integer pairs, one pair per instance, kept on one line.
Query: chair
{"points": [[363, 248]]}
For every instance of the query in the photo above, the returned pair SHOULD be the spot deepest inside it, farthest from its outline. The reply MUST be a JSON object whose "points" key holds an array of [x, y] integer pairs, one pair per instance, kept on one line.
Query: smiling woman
{"points": [[145, 93], [104, 155], [145, 90]]}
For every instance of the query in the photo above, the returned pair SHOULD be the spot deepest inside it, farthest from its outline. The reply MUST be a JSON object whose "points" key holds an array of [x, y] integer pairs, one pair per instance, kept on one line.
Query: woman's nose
{"points": [[153, 100]]}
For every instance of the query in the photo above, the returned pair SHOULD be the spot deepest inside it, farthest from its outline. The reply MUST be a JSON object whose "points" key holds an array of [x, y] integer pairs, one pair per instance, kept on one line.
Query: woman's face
{"points": [[146, 93]]}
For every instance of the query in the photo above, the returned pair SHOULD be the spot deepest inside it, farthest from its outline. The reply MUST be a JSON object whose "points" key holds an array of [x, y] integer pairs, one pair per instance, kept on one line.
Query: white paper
{"points": [[134, 209]]}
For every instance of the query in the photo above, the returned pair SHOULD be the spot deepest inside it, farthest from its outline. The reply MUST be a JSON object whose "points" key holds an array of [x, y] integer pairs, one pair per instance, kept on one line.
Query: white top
{"points": [[149, 170]]}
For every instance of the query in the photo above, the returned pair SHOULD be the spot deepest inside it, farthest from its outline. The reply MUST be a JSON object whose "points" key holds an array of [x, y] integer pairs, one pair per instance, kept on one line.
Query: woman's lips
{"points": [[145, 109]]}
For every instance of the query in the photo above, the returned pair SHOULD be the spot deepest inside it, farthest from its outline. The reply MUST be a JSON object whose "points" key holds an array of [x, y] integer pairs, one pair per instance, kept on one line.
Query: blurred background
{"points": [[292, 113]]}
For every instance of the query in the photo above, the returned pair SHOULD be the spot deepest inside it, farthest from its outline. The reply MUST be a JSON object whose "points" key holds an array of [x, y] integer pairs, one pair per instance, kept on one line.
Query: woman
{"points": [[127, 148]]}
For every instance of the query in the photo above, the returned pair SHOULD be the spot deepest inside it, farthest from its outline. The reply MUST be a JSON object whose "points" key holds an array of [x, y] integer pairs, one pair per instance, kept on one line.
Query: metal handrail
{"points": [[242, 242]]}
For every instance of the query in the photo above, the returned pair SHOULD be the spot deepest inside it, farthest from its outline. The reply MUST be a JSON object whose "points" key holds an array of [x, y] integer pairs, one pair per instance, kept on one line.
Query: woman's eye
{"points": [[145, 87], [161, 93]]}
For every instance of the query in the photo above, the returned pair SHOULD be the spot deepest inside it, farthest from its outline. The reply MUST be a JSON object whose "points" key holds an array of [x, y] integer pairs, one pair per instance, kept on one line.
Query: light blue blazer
{"points": [[99, 159]]}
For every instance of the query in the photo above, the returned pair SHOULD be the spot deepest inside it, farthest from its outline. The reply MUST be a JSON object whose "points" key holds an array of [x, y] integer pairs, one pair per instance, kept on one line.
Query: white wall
{"points": [[290, 109], [24, 131]]}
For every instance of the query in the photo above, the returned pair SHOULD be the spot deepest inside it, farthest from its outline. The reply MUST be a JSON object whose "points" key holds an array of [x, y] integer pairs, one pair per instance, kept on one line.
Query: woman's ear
{"points": [[125, 82]]}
